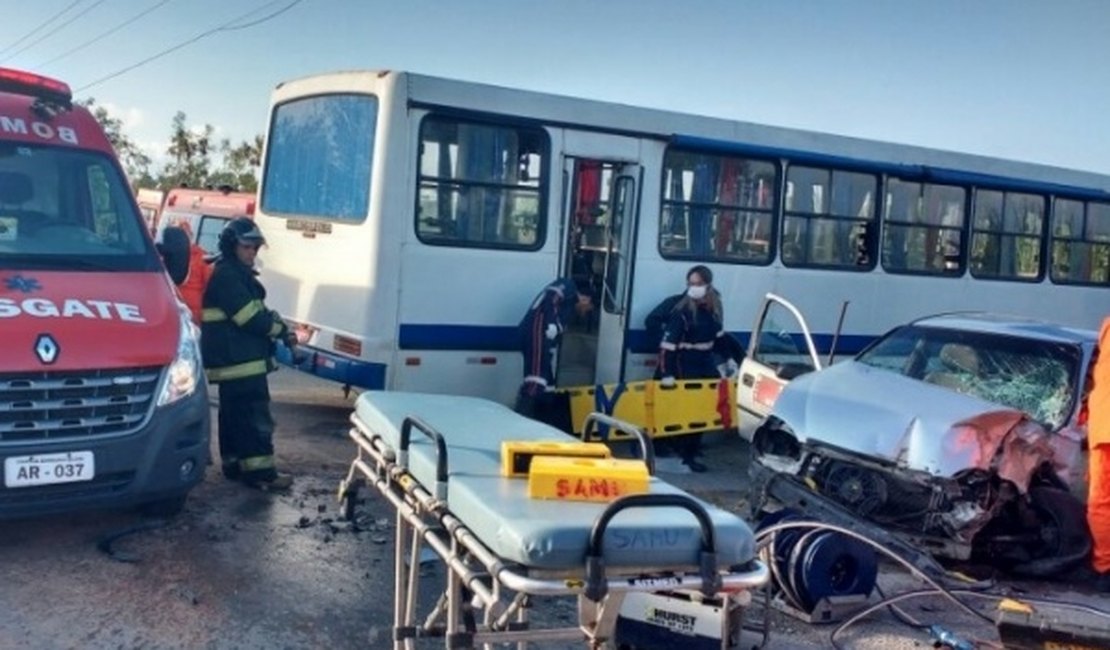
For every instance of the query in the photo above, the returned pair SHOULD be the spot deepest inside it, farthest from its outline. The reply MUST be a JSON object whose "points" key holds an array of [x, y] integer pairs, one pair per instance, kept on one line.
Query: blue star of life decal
{"points": [[20, 283]]}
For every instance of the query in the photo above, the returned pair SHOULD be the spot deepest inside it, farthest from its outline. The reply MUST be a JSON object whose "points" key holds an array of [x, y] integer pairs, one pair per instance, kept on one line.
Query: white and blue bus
{"points": [[412, 219]]}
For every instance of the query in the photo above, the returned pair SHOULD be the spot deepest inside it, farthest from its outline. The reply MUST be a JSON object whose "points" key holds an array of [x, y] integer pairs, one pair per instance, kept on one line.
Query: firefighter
{"points": [[1098, 443], [694, 340], [238, 338], [541, 332]]}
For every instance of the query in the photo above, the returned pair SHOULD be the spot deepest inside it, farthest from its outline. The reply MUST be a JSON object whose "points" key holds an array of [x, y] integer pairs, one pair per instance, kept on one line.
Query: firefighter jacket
{"points": [[238, 332]]}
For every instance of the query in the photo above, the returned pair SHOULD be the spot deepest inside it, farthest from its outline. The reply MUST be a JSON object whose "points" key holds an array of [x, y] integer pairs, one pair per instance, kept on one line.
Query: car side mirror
{"points": [[174, 249]]}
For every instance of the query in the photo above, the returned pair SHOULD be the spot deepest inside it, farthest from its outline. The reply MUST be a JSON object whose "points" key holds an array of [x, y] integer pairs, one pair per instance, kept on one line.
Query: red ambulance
{"points": [[103, 401], [203, 213]]}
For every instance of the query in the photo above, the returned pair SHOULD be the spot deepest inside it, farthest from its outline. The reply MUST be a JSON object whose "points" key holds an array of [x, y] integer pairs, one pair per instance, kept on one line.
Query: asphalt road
{"points": [[243, 569]]}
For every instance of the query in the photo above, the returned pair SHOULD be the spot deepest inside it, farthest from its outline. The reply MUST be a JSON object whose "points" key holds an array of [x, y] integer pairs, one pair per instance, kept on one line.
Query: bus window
{"points": [[828, 216], [318, 157], [923, 225], [481, 184], [1080, 242], [1006, 237], [717, 208]]}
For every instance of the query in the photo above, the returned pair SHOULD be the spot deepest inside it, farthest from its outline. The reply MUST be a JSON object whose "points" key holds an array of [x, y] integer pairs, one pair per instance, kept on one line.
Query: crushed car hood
{"points": [[915, 425]]}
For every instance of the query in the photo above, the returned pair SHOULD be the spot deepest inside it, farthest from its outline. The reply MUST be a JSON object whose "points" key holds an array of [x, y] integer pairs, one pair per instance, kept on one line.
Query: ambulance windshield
{"points": [[63, 208]]}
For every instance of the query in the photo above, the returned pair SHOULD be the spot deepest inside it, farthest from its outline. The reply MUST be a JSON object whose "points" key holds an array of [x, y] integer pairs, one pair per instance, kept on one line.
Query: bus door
{"points": [[602, 206]]}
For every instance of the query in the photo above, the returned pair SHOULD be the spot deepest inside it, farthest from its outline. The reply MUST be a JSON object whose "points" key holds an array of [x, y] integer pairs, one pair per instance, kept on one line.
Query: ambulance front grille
{"points": [[37, 406]]}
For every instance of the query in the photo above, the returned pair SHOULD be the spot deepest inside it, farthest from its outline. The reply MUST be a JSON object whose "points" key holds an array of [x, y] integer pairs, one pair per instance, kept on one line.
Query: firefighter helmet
{"points": [[239, 230]]}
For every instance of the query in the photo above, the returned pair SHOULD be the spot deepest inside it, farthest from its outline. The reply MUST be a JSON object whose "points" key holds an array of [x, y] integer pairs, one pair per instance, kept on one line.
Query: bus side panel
{"points": [[459, 312]]}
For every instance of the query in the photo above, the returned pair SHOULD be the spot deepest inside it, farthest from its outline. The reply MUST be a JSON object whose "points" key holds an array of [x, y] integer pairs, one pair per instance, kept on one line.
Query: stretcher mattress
{"points": [[538, 534]]}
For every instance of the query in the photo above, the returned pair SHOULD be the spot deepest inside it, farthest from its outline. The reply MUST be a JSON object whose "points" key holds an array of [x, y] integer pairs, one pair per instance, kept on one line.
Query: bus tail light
{"points": [[347, 345]]}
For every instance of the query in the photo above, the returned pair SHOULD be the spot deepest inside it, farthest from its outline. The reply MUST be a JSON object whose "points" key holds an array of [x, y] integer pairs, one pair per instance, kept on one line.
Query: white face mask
{"points": [[697, 292]]}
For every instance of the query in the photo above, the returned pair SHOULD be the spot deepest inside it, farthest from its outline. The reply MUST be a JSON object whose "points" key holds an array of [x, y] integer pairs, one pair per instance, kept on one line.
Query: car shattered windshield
{"points": [[1032, 375], [67, 209]]}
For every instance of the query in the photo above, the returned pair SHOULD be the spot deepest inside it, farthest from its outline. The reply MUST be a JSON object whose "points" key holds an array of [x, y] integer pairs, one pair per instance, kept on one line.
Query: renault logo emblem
{"points": [[46, 349]]}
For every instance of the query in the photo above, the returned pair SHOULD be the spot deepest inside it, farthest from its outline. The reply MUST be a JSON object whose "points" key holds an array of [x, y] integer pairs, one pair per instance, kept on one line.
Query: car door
{"points": [[781, 349]]}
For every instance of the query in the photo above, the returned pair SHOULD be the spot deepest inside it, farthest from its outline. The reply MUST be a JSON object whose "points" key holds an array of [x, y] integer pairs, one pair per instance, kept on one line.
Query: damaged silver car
{"points": [[962, 434]]}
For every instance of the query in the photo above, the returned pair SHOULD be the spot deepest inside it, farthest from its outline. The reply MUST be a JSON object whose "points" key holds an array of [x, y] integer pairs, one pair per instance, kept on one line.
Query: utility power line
{"points": [[55, 30], [229, 26], [44, 24], [103, 35]]}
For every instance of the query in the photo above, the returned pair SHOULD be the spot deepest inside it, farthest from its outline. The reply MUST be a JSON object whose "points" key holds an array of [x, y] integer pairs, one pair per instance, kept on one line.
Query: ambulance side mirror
{"points": [[174, 249]]}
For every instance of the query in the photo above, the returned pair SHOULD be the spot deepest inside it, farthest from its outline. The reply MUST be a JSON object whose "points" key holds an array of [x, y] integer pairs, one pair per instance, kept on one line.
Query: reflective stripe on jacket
{"points": [[238, 331]]}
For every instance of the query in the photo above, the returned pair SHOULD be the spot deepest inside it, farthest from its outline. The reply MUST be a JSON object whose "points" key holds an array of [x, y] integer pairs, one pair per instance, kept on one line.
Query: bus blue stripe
{"points": [[505, 339], [458, 337]]}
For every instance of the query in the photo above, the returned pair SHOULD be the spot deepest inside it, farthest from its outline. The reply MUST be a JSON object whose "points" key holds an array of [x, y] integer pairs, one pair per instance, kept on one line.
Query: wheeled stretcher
{"points": [[436, 459]]}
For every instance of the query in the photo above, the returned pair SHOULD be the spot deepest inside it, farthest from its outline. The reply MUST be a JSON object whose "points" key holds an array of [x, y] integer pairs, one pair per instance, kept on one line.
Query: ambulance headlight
{"points": [[184, 373]]}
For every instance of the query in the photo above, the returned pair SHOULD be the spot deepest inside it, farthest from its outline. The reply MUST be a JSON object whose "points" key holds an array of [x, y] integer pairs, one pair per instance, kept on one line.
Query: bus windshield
{"points": [[318, 159], [63, 208]]}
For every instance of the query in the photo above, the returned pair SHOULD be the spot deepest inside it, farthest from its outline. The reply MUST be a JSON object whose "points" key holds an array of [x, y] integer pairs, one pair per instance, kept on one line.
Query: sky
{"points": [[1020, 79]]}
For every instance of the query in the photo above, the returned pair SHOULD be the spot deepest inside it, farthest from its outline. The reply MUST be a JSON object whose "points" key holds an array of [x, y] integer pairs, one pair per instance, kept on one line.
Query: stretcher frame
{"points": [[486, 600]]}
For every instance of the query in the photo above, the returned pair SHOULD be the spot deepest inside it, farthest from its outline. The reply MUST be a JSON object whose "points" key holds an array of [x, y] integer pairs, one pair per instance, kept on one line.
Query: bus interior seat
{"points": [[960, 366], [961, 358]]}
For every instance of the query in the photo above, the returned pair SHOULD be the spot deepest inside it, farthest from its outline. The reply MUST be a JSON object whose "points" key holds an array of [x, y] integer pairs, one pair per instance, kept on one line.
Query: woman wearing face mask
{"points": [[693, 342]]}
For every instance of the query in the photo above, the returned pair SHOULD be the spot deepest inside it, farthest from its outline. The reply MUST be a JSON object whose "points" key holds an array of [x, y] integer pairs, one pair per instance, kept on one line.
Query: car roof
{"points": [[1009, 325]]}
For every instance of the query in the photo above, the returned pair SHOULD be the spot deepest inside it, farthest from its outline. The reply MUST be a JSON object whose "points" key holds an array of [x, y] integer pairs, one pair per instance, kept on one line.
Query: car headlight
{"points": [[183, 374]]}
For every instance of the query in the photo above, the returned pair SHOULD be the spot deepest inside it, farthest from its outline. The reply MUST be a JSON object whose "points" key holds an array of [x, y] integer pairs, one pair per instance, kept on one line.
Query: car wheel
{"points": [[1064, 538]]}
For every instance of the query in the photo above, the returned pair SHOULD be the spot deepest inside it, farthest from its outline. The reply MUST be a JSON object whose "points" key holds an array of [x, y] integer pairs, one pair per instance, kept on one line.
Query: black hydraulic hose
{"points": [[104, 542]]}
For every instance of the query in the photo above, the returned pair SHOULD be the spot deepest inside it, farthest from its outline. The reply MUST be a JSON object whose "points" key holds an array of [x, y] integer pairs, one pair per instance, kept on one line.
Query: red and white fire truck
{"points": [[102, 395]]}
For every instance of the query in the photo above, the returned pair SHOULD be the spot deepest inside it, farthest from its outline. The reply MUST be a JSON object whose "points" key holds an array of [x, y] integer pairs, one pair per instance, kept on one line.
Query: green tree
{"points": [[240, 164], [190, 156], [135, 162]]}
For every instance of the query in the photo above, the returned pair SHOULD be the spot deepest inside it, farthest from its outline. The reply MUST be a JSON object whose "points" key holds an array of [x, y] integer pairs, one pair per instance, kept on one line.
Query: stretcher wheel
{"points": [[348, 500]]}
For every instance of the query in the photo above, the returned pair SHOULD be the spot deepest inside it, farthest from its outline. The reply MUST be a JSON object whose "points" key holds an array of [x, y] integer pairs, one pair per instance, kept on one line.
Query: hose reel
{"points": [[812, 567]]}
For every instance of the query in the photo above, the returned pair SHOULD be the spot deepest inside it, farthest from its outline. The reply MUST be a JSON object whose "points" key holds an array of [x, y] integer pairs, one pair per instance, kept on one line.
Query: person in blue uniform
{"points": [[541, 333], [695, 345]]}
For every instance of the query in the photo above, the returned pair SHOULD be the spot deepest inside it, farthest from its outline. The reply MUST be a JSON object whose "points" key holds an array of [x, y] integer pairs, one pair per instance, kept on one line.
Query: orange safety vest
{"points": [[1098, 401], [192, 289]]}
